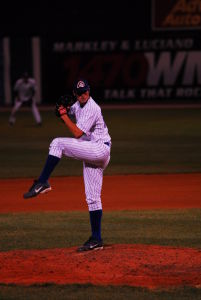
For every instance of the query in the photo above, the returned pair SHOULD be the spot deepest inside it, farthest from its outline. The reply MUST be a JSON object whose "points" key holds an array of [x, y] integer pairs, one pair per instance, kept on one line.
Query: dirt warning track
{"points": [[127, 192]]}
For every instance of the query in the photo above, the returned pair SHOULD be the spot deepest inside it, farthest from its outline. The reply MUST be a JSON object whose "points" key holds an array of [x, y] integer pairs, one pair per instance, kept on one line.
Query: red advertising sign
{"points": [[176, 14], [128, 70]]}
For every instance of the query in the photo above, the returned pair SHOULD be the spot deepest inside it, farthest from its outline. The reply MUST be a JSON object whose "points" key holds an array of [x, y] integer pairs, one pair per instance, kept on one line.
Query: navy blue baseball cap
{"points": [[80, 86]]}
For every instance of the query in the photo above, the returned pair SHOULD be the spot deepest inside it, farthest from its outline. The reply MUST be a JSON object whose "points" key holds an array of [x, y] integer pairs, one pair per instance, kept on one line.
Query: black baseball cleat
{"points": [[91, 244], [37, 188]]}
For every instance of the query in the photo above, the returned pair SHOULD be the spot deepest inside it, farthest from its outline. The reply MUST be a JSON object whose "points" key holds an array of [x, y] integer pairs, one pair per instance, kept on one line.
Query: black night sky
{"points": [[76, 18]]}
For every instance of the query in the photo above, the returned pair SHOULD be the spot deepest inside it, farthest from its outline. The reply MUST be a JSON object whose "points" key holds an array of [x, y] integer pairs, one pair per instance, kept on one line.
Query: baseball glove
{"points": [[63, 105]]}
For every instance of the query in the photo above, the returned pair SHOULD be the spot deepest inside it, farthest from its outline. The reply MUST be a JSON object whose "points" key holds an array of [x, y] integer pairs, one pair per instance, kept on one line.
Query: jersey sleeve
{"points": [[33, 85], [72, 110], [16, 86]]}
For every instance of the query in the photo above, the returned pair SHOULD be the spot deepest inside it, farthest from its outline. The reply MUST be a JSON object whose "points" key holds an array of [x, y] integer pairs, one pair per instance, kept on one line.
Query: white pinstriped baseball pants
{"points": [[95, 157]]}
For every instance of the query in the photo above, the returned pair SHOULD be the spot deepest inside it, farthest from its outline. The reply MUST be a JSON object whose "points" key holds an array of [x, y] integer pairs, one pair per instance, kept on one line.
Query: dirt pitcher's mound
{"points": [[135, 265]]}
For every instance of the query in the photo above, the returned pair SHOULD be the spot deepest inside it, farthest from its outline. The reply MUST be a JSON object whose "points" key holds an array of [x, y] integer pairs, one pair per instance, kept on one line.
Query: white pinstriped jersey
{"points": [[90, 120], [89, 148]]}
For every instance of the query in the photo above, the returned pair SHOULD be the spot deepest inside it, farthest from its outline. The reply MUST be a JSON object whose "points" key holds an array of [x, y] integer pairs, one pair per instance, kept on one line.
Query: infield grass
{"points": [[66, 229], [143, 141], [89, 292]]}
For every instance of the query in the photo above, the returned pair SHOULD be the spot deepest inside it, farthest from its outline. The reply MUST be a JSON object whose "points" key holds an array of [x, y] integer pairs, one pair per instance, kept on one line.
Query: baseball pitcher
{"points": [[91, 145]]}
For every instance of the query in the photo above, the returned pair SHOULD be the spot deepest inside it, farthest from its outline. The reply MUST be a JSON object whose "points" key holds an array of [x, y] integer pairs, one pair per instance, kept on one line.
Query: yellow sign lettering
{"points": [[184, 13]]}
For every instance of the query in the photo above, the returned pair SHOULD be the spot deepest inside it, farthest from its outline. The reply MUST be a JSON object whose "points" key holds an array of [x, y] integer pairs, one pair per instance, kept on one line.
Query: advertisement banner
{"points": [[124, 70], [176, 15]]}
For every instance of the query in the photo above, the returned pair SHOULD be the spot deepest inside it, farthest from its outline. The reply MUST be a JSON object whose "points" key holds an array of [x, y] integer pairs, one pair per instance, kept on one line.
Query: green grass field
{"points": [[144, 141], [67, 229], [89, 292]]}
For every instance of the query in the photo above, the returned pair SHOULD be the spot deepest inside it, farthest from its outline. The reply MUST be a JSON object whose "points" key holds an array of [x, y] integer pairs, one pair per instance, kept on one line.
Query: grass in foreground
{"points": [[66, 229], [143, 141], [79, 292]]}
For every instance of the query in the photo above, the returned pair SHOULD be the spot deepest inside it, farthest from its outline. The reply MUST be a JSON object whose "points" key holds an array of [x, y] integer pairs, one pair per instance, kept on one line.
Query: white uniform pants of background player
{"points": [[17, 106], [95, 157]]}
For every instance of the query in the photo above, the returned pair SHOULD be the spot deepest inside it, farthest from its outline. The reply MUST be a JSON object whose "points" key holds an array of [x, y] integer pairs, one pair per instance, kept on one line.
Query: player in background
{"points": [[24, 90], [91, 145]]}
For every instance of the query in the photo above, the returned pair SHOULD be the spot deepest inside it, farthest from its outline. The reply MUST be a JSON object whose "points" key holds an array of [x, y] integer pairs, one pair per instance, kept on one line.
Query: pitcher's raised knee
{"points": [[56, 147]]}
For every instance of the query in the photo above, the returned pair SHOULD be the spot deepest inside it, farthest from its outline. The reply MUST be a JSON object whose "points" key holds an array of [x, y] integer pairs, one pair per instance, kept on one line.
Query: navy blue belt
{"points": [[107, 143]]}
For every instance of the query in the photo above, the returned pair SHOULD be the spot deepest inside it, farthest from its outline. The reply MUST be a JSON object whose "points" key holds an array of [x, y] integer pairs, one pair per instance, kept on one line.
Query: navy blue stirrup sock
{"points": [[49, 166], [95, 220]]}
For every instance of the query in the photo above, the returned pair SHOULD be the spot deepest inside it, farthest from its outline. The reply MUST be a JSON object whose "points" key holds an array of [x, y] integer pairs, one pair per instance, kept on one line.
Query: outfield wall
{"points": [[160, 61]]}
